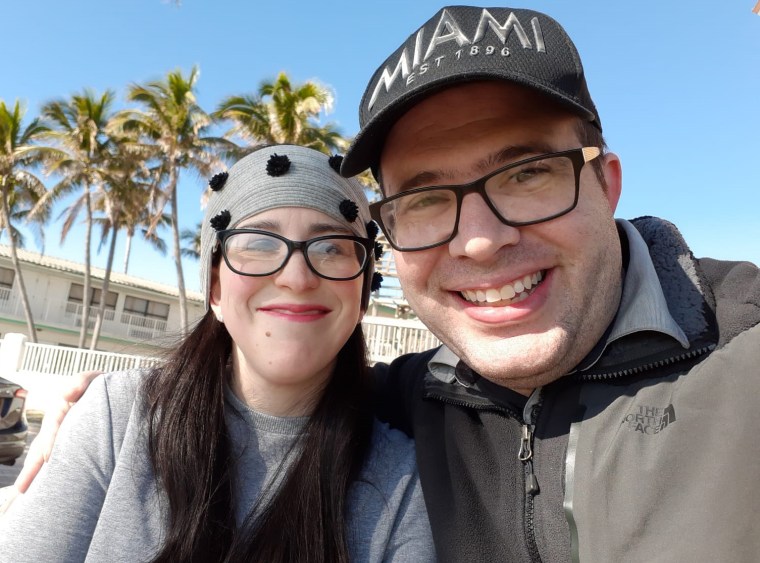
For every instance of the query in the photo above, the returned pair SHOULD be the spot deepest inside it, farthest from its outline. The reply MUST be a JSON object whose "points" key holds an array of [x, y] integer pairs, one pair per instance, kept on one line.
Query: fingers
{"points": [[42, 445], [79, 385]]}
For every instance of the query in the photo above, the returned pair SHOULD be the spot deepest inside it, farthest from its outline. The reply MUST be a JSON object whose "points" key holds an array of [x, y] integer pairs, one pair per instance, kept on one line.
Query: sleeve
{"points": [[55, 520], [397, 390], [411, 538]]}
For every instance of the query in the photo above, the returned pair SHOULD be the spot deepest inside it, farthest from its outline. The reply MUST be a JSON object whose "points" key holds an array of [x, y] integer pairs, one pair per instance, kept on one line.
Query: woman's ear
{"points": [[215, 294]]}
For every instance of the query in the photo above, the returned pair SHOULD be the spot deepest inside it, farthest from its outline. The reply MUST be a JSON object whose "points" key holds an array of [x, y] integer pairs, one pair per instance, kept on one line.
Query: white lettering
{"points": [[474, 50], [418, 48], [490, 50], [452, 33], [424, 68], [538, 35], [502, 31], [505, 51], [410, 79], [387, 78], [438, 60]]}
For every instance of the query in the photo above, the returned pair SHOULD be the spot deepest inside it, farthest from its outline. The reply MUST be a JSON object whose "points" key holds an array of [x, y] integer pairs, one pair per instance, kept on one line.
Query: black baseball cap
{"points": [[463, 44]]}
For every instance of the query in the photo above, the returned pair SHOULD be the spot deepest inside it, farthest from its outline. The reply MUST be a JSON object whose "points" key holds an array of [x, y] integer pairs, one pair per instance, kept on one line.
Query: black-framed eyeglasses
{"points": [[534, 190], [251, 252]]}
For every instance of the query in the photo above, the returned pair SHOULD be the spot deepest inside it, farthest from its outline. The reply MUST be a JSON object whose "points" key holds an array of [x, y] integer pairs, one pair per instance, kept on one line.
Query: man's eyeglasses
{"points": [[250, 252], [527, 192]]}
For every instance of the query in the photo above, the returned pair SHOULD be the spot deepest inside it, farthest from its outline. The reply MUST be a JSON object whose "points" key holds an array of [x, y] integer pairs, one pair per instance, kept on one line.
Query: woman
{"points": [[254, 440]]}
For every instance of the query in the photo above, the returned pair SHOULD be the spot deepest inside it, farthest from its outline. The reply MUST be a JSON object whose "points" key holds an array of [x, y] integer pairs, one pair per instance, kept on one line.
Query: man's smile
{"points": [[507, 294]]}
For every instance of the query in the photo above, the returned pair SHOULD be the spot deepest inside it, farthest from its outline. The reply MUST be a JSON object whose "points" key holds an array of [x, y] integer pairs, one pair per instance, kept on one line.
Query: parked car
{"points": [[13, 426]]}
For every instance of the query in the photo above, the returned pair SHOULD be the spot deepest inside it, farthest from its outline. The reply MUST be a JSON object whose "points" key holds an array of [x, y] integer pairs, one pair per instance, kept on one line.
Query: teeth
{"points": [[493, 295], [516, 292], [507, 292]]}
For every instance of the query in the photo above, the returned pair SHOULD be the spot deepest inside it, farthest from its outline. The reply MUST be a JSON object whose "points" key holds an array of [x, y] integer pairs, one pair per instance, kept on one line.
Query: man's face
{"points": [[456, 136]]}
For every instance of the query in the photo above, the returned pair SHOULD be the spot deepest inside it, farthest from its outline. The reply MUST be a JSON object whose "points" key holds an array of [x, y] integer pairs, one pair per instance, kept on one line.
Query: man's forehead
{"points": [[425, 173]]}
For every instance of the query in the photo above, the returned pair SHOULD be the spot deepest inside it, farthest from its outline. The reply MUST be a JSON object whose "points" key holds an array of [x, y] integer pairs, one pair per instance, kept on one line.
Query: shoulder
{"points": [[111, 404], [735, 287], [391, 457], [116, 390]]}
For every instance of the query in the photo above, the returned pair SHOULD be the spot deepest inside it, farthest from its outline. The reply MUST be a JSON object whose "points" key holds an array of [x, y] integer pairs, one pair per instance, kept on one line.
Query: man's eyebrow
{"points": [[514, 153], [504, 156]]}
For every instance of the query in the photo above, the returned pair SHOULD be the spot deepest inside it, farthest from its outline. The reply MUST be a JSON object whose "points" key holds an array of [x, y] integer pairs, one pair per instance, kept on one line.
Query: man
{"points": [[594, 397]]}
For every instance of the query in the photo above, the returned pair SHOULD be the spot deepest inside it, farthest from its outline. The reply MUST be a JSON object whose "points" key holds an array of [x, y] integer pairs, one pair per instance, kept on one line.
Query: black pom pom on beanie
{"points": [[278, 165]]}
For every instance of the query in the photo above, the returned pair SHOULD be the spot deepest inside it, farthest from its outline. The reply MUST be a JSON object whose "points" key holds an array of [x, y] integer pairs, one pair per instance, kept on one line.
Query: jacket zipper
{"points": [[646, 367], [525, 455]]}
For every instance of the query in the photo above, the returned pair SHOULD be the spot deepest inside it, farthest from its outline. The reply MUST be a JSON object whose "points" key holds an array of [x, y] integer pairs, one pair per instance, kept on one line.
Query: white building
{"points": [[141, 316]]}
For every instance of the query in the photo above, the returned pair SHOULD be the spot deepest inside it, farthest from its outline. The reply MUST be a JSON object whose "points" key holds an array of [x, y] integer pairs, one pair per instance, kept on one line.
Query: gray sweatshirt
{"points": [[97, 498]]}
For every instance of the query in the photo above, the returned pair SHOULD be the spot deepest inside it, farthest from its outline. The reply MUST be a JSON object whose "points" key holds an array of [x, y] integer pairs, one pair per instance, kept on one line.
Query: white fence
{"points": [[44, 369], [389, 338], [61, 360]]}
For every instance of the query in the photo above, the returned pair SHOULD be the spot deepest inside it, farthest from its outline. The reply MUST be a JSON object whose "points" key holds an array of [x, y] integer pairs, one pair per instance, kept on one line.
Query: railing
{"points": [[143, 327], [74, 310], [61, 360], [386, 339], [390, 338]]}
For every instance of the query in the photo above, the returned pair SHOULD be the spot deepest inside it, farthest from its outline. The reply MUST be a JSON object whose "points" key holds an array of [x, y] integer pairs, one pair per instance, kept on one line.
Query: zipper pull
{"points": [[531, 483], [526, 455], [525, 452]]}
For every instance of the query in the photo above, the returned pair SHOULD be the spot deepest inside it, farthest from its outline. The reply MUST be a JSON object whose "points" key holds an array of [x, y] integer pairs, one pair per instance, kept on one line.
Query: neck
{"points": [[282, 397]]}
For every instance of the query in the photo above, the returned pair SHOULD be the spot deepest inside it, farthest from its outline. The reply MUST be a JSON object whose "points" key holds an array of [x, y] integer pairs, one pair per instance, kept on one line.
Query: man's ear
{"points": [[613, 175]]}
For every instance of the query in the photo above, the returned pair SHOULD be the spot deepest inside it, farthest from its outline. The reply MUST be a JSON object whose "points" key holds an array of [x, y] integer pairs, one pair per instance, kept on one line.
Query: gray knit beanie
{"points": [[283, 176]]}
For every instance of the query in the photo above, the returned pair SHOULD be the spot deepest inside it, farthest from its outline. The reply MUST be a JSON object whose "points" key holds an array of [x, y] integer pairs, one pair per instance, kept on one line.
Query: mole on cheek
{"points": [[268, 333]]}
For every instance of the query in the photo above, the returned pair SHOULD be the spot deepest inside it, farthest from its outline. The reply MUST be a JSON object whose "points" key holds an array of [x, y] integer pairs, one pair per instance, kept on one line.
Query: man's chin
{"points": [[517, 367]]}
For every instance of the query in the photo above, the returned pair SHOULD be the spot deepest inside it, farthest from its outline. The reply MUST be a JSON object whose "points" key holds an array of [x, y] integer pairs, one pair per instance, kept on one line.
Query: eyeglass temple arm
{"points": [[590, 153]]}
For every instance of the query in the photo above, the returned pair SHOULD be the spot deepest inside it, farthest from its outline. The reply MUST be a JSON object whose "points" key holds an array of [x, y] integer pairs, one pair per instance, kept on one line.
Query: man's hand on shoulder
{"points": [[42, 445]]}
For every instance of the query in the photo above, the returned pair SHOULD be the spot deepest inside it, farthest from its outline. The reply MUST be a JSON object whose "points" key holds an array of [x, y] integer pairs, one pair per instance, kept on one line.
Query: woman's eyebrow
{"points": [[314, 229]]}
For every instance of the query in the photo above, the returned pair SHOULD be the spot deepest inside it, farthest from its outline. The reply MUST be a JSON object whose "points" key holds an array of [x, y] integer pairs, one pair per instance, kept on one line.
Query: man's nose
{"points": [[480, 233]]}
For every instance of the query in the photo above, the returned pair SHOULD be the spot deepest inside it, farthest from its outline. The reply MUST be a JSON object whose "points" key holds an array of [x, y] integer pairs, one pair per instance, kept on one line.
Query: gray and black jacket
{"points": [[647, 452]]}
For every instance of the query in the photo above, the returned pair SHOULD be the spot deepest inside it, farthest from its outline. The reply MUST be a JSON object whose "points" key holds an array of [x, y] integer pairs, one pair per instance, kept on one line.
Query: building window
{"points": [[6, 283], [76, 291], [6, 277], [146, 308]]}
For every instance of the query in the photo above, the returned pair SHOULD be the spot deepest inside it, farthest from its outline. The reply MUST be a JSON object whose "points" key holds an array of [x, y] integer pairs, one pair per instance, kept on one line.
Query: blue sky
{"points": [[676, 83]]}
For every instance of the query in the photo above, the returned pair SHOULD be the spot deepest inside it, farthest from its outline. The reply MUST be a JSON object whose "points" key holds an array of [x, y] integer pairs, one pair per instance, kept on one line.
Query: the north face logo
{"points": [[650, 420]]}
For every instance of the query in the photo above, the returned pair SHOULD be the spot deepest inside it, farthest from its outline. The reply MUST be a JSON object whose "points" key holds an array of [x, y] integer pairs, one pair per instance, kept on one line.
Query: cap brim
{"points": [[366, 148]]}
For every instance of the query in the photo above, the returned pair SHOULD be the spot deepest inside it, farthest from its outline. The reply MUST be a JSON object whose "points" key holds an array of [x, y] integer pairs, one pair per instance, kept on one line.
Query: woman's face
{"points": [[287, 327]]}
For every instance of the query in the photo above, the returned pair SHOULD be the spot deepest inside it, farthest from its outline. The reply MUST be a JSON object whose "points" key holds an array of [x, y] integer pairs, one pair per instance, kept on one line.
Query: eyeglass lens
{"points": [[524, 193], [260, 254]]}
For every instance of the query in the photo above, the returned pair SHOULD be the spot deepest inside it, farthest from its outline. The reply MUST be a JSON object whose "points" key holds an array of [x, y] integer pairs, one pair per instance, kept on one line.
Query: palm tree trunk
{"points": [[177, 253], [86, 289], [17, 267], [104, 291], [127, 250]]}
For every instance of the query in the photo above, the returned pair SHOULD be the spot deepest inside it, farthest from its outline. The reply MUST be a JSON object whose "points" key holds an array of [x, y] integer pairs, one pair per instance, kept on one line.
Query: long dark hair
{"points": [[190, 451]]}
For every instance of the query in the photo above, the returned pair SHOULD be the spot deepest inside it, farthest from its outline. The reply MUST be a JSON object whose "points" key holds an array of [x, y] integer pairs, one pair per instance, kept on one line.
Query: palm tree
{"points": [[80, 126], [20, 186], [283, 113], [173, 125], [138, 217], [127, 188], [192, 240]]}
